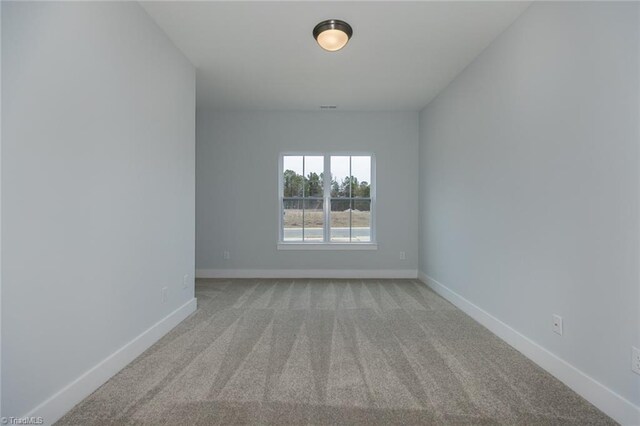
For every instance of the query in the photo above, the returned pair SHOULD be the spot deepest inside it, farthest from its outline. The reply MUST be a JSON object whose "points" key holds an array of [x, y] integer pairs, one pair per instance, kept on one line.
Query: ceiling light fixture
{"points": [[332, 34]]}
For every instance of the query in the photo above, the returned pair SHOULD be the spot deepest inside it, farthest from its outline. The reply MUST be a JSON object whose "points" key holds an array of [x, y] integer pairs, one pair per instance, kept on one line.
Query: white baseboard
{"points": [[608, 401], [65, 399], [306, 273]]}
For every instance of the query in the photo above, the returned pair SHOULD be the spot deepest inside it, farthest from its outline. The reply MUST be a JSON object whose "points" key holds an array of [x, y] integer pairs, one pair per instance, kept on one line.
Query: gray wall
{"points": [[97, 188], [529, 184], [237, 186]]}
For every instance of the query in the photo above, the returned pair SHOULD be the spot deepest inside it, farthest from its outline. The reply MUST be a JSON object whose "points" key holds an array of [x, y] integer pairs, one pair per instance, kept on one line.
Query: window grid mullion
{"points": [[327, 195], [303, 195]]}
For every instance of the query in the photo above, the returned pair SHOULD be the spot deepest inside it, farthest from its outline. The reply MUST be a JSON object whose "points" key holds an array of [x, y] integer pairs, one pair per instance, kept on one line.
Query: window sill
{"points": [[327, 246]]}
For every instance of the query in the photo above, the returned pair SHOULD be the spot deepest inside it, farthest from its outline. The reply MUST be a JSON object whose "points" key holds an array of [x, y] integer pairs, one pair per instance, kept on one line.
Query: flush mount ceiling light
{"points": [[332, 34]]}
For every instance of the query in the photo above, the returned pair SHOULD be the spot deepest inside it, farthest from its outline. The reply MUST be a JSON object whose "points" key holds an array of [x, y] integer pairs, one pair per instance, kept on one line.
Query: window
{"points": [[327, 200]]}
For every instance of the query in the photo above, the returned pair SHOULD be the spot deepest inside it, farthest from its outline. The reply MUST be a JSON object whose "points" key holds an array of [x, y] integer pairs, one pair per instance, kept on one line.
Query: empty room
{"points": [[320, 212]]}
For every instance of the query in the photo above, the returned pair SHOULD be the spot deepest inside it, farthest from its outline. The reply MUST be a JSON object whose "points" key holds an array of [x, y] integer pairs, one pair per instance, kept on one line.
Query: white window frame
{"points": [[327, 244]]}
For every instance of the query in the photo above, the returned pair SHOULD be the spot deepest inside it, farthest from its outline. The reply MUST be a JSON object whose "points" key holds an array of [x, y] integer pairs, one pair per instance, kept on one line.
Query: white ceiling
{"points": [[261, 55]]}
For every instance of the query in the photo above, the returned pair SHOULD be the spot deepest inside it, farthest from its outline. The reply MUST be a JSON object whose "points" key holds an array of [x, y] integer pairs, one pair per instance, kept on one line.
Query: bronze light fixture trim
{"points": [[332, 34]]}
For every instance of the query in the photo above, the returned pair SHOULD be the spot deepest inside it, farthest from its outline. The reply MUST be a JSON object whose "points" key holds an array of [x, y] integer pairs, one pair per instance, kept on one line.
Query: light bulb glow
{"points": [[332, 40]]}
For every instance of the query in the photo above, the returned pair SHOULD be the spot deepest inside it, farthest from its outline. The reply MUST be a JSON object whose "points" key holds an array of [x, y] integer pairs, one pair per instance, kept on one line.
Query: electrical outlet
{"points": [[403, 255], [557, 324], [226, 255], [164, 294], [185, 281], [635, 360]]}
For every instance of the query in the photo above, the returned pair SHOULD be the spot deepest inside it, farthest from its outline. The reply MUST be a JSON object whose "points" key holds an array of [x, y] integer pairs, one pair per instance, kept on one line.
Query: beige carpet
{"points": [[326, 352]]}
